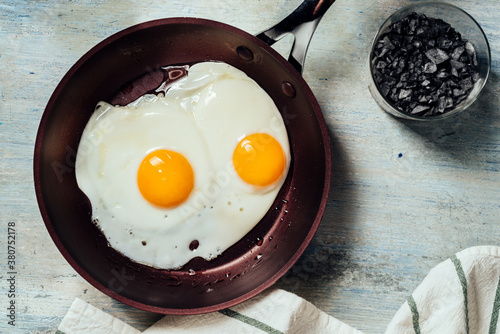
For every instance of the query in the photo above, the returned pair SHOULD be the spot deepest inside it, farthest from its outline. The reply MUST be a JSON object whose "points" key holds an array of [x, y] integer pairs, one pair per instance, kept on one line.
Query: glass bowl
{"points": [[469, 30]]}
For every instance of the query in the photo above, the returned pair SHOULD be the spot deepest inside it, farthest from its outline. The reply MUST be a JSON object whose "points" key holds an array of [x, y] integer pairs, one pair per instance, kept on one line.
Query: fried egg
{"points": [[187, 173]]}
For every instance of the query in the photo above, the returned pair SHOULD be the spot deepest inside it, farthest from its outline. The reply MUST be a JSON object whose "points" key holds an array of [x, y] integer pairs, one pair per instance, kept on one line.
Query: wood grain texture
{"points": [[404, 196]]}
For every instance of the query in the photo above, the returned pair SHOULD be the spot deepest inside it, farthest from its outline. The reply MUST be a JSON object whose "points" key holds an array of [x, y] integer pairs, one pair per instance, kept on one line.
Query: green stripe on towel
{"points": [[463, 282], [414, 313], [250, 321], [496, 309]]}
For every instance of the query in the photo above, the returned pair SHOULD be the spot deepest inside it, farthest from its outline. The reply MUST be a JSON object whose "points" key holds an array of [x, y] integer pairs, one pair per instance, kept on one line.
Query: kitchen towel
{"points": [[274, 311], [459, 295]]}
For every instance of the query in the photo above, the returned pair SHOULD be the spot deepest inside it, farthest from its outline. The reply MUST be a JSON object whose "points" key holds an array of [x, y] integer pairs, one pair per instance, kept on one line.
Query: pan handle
{"points": [[302, 23]]}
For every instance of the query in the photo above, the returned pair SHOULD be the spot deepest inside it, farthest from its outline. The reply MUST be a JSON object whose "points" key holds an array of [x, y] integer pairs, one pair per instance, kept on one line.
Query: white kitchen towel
{"points": [[274, 311], [460, 295], [85, 318]]}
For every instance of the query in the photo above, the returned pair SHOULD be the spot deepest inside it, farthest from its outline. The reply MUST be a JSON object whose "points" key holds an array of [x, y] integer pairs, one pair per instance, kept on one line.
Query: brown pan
{"points": [[126, 65]]}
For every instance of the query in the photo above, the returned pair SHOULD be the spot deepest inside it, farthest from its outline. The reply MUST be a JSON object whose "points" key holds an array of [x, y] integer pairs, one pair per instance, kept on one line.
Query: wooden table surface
{"points": [[404, 196]]}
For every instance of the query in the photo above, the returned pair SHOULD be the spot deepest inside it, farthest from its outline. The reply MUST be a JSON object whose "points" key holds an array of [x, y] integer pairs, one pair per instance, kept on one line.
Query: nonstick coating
{"points": [[127, 64]]}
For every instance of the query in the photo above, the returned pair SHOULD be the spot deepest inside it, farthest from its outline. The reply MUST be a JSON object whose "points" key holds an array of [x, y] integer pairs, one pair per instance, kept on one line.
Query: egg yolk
{"points": [[259, 159], [165, 178]]}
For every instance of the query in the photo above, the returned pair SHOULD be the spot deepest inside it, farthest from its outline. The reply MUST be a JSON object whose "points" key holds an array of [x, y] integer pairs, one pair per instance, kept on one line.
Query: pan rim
{"points": [[37, 164]]}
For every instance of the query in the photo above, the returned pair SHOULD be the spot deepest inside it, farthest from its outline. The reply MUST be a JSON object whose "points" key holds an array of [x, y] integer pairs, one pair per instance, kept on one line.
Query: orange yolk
{"points": [[259, 159], [165, 178]]}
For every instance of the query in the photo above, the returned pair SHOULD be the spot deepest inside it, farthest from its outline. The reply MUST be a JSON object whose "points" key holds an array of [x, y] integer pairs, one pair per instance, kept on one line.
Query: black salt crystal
{"points": [[458, 92], [457, 52], [430, 67], [456, 64], [470, 49], [475, 76], [420, 108], [404, 93], [442, 74], [441, 104], [449, 102], [444, 43], [385, 90], [437, 56], [466, 83]]}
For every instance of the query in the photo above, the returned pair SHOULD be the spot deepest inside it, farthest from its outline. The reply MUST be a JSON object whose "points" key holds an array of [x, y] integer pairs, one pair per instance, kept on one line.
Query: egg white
{"points": [[202, 116]]}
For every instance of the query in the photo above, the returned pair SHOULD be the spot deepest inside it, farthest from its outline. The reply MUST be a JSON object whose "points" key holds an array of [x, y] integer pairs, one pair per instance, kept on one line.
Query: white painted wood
{"points": [[404, 196]]}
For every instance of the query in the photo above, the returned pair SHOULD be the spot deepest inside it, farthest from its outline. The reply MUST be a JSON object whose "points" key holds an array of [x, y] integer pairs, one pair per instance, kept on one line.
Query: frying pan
{"points": [[128, 64]]}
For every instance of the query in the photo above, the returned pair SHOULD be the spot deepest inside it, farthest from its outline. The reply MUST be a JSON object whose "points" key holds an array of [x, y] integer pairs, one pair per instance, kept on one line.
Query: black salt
{"points": [[422, 66]]}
